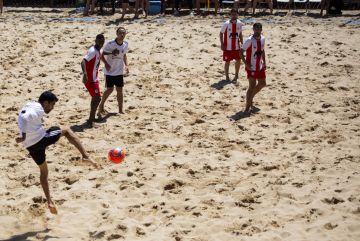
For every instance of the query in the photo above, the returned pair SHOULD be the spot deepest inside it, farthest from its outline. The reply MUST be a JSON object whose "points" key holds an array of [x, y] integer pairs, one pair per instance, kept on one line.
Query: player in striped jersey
{"points": [[231, 39], [255, 64], [90, 67]]}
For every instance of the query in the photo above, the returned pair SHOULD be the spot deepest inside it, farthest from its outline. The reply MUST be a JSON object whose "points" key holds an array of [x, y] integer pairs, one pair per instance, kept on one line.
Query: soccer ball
{"points": [[116, 155]]}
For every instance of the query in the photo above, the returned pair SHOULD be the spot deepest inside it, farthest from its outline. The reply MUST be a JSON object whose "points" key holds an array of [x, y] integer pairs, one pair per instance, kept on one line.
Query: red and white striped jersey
{"points": [[231, 32], [92, 63], [254, 49]]}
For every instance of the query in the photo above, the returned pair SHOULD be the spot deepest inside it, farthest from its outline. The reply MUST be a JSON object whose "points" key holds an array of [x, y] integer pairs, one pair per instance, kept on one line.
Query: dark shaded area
{"points": [[82, 127], [25, 236], [241, 114], [219, 85]]}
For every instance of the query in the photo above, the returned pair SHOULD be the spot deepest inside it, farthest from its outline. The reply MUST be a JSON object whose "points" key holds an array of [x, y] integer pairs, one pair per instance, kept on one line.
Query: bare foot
{"points": [[52, 208], [89, 161], [235, 80], [102, 112], [90, 124]]}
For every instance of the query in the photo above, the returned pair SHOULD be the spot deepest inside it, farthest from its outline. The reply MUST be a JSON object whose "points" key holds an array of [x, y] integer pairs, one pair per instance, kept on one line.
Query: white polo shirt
{"points": [[115, 61], [30, 122]]}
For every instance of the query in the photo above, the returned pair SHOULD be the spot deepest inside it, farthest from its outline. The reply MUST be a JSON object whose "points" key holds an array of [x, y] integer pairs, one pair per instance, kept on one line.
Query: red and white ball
{"points": [[116, 155]]}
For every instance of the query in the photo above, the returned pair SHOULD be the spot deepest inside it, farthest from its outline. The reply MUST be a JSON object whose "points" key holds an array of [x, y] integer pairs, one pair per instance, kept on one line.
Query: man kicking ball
{"points": [[35, 138]]}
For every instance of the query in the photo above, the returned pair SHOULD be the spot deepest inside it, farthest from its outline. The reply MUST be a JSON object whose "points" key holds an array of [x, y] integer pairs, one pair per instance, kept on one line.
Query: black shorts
{"points": [[37, 151], [117, 80]]}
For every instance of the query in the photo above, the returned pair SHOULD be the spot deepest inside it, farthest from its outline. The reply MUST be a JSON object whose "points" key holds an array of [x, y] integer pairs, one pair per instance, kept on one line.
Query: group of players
{"points": [[233, 47], [36, 138]]}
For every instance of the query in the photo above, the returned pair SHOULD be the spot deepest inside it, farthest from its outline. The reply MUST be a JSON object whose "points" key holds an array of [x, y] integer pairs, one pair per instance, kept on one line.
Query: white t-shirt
{"points": [[231, 32], [30, 122], [254, 48], [115, 61]]}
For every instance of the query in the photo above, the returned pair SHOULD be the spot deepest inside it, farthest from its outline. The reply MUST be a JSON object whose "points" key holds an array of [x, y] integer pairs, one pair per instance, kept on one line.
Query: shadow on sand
{"points": [[25, 236], [219, 85], [82, 127], [241, 114]]}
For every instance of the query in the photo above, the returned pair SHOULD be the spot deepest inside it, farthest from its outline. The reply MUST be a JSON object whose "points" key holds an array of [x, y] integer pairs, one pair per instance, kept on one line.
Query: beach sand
{"points": [[196, 169]]}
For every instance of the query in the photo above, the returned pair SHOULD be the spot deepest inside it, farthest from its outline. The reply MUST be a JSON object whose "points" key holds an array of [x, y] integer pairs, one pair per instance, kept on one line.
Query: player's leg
{"points": [[146, 7], [324, 5], [105, 96], [120, 98], [249, 93], [95, 101], [45, 186], [124, 7], [226, 69], [216, 6], [198, 6], [261, 83], [109, 84], [75, 140], [247, 6], [119, 83], [254, 6], [270, 3], [137, 3], [237, 68], [86, 9], [93, 3]]}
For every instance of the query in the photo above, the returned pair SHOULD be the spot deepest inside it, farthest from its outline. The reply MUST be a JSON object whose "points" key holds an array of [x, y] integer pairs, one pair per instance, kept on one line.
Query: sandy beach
{"points": [[196, 169]]}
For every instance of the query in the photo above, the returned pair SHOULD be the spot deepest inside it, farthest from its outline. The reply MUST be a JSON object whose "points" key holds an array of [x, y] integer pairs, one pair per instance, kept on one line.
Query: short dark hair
{"points": [[120, 28], [257, 25], [100, 36], [234, 10], [47, 96]]}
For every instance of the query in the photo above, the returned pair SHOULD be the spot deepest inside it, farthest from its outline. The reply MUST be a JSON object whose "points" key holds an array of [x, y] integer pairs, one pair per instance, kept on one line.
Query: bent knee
{"points": [[65, 130]]}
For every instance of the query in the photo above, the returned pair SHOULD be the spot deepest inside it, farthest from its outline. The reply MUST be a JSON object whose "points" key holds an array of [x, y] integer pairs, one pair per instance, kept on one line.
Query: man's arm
{"points": [[83, 67], [126, 64], [222, 41], [263, 58], [241, 38], [107, 65], [242, 55], [21, 139]]}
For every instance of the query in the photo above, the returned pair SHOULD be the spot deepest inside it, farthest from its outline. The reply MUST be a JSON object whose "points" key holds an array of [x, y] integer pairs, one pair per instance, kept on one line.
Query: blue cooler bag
{"points": [[155, 7]]}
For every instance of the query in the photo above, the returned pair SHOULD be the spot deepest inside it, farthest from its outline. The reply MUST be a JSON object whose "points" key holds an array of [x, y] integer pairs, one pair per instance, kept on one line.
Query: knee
{"points": [[65, 130], [262, 84], [97, 99]]}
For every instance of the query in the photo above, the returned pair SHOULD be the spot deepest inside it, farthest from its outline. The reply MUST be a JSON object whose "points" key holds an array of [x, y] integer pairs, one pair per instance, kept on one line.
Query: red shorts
{"points": [[256, 74], [93, 88], [229, 55]]}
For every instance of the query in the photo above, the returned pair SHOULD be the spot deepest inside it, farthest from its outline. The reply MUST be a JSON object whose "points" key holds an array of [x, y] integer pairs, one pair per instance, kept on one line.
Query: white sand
{"points": [[289, 172]]}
